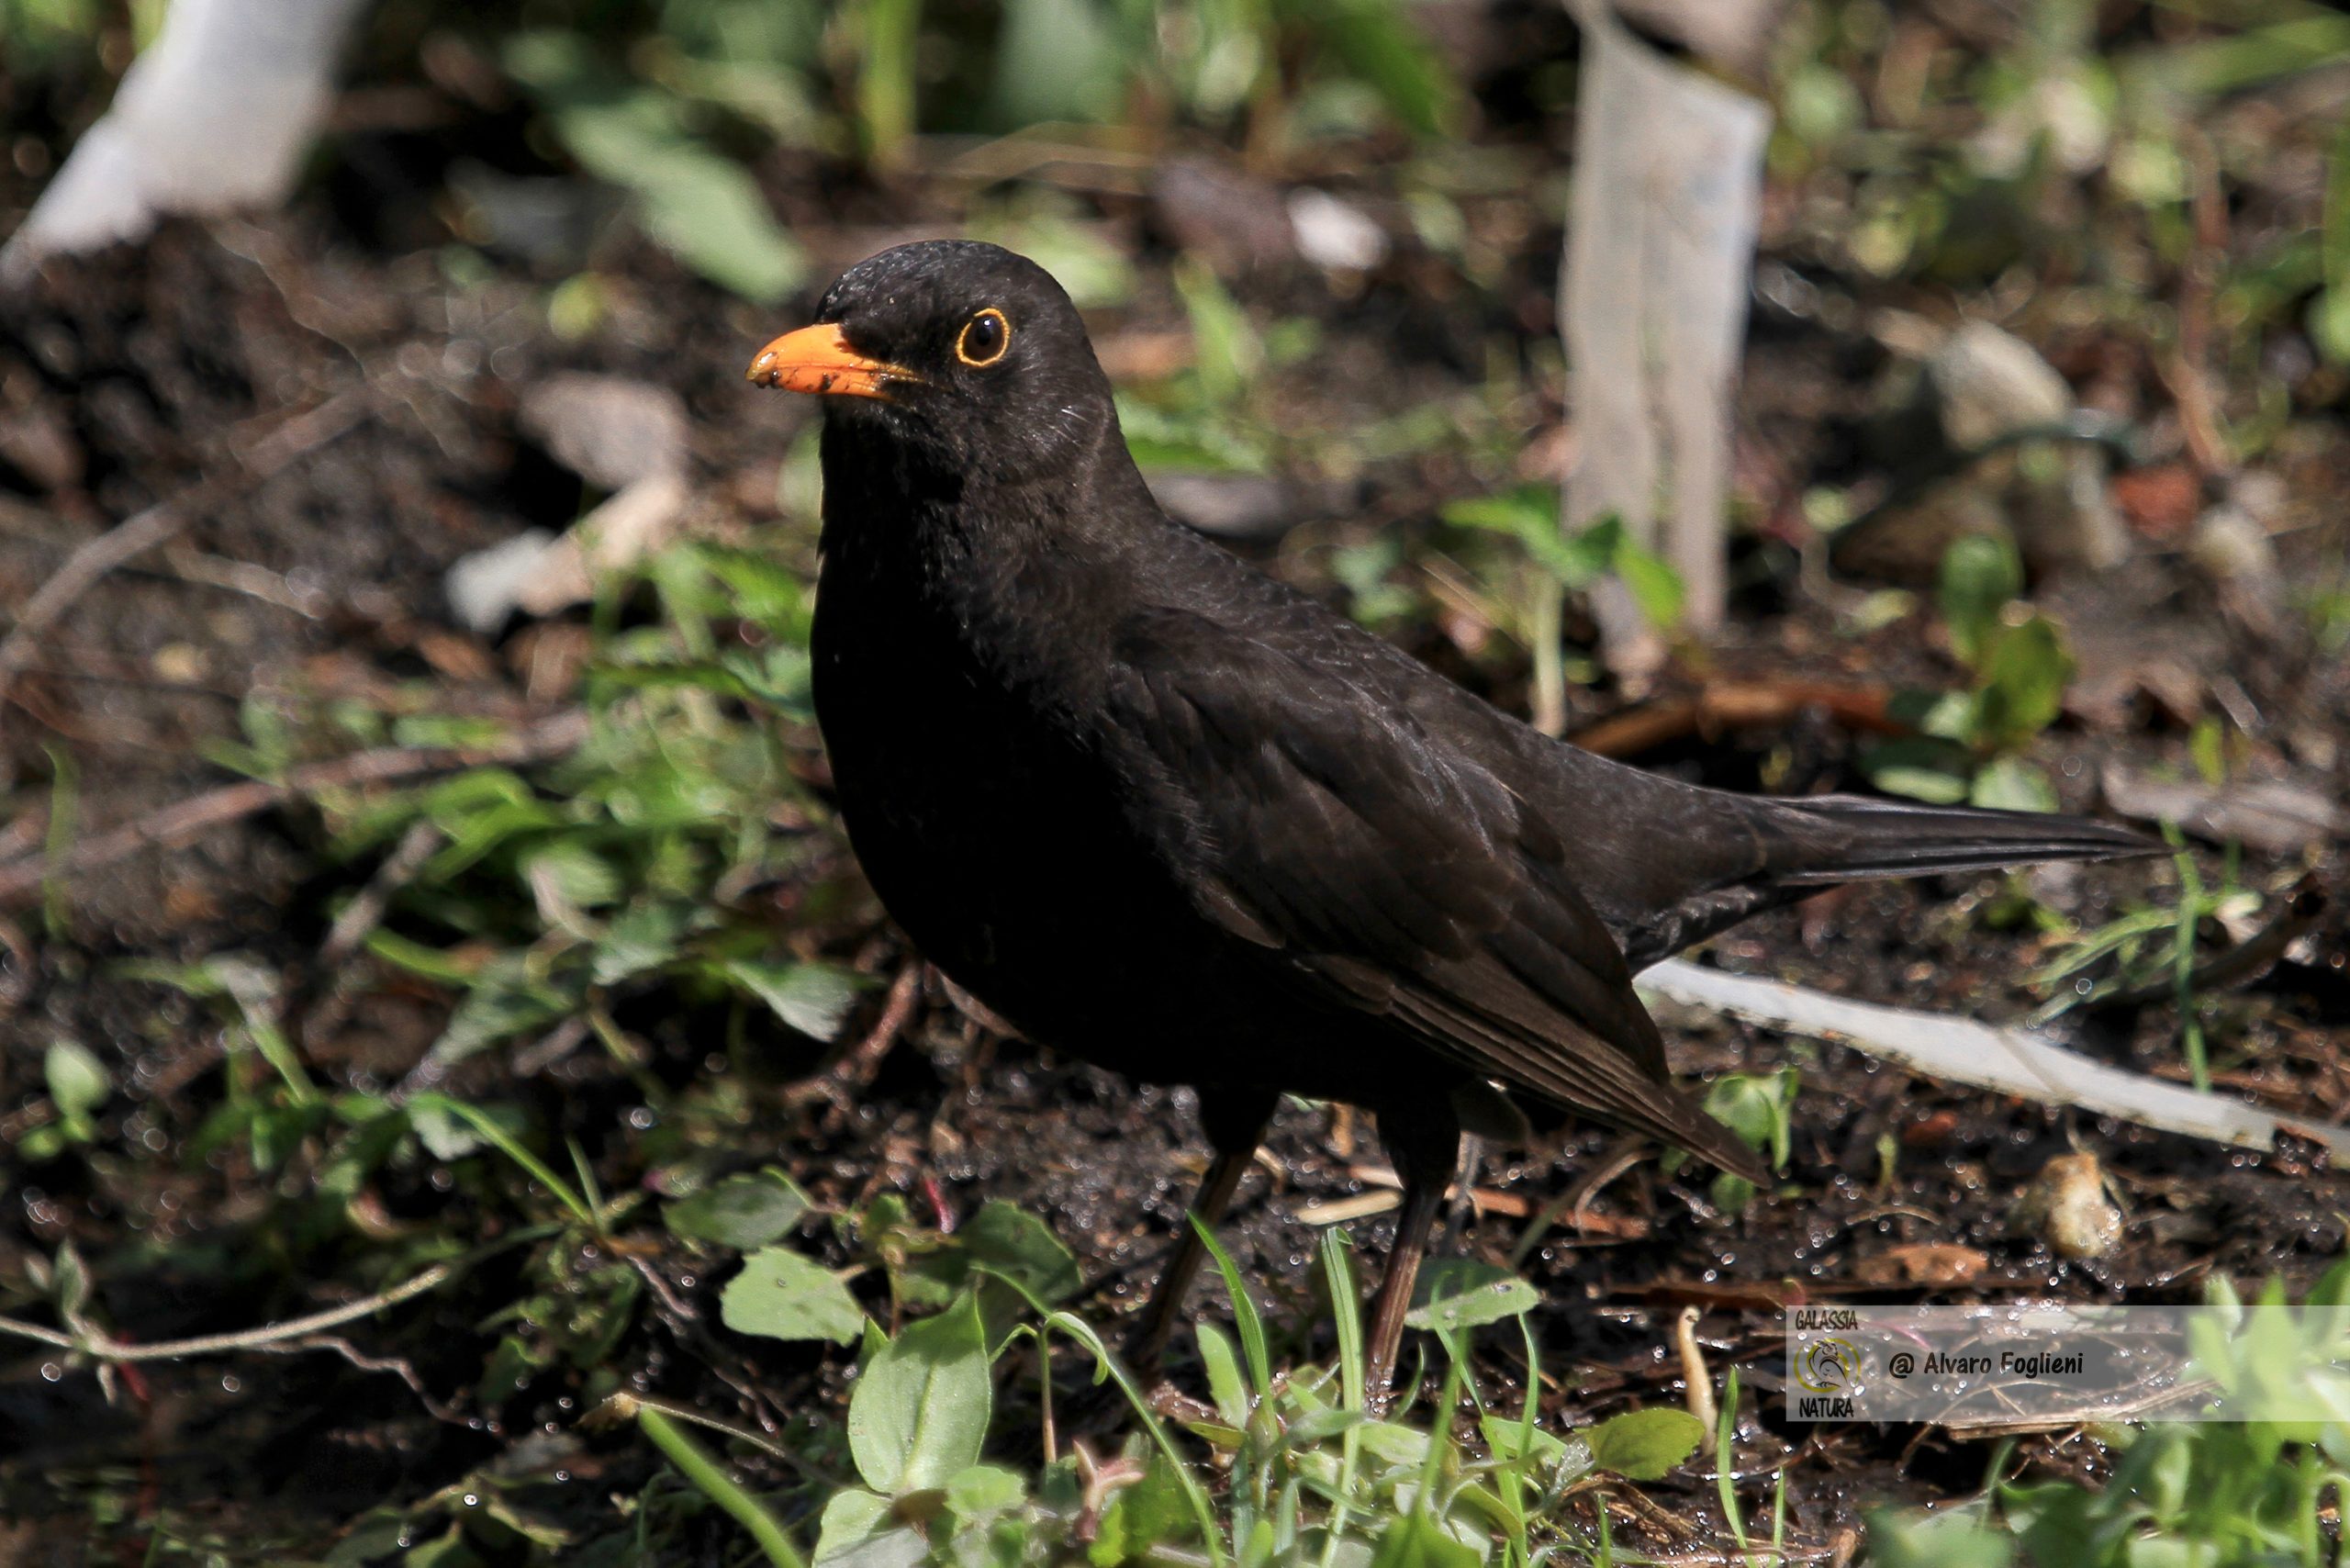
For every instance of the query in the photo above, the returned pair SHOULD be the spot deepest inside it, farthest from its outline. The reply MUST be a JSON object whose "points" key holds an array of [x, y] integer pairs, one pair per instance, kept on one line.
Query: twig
{"points": [[244, 577], [358, 922], [177, 825], [363, 915], [2304, 907], [1575, 1201], [143, 531], [857, 1068], [667, 1297], [398, 1366], [1732, 703], [99, 1345], [1960, 1050], [181, 561]]}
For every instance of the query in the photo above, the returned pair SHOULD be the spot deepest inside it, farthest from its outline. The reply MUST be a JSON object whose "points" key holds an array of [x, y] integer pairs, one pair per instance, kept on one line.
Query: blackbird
{"points": [[1172, 816]]}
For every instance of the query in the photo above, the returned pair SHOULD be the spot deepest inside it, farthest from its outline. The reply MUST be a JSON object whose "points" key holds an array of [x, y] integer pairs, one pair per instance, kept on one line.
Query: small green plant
{"points": [[2149, 951], [1309, 1473], [1967, 742], [1529, 604], [1759, 1108], [78, 1085]]}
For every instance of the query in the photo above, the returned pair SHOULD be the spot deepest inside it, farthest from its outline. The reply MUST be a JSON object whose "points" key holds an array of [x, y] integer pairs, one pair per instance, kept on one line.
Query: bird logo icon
{"points": [[1827, 1366]]}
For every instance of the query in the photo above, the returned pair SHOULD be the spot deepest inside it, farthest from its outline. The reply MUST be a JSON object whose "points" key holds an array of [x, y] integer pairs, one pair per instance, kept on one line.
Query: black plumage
{"points": [[1172, 816]]}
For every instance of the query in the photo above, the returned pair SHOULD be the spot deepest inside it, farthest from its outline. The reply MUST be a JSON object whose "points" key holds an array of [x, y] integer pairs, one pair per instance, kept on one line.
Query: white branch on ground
{"points": [[1983, 1056]]}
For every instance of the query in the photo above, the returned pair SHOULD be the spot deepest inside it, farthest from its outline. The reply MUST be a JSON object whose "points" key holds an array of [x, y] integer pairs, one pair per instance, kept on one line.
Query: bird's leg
{"points": [[1235, 1124], [1425, 1144]]}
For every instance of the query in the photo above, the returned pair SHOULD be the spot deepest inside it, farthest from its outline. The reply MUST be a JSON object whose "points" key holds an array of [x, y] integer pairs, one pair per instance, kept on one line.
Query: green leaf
{"points": [[887, 35], [1914, 1541], [451, 1130], [505, 999], [2011, 784], [1460, 1293], [1656, 587], [784, 1294], [709, 213], [1246, 1321], [643, 936], [1511, 1441], [812, 998], [1222, 1363], [1008, 1239], [1379, 43], [2207, 747], [860, 1531], [1758, 1108], [1418, 1540], [78, 1084], [700, 205], [985, 1489], [575, 873], [1981, 572], [1529, 514], [1228, 353], [1918, 766], [743, 1212], [920, 1412], [2024, 671], [1056, 60], [1643, 1445]]}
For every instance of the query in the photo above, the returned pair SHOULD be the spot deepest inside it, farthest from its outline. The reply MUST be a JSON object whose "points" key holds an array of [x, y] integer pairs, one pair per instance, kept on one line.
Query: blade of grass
{"points": [[2190, 1022], [588, 1189], [1244, 1317], [57, 843], [1346, 1311], [719, 1487], [885, 80], [504, 1142], [1725, 1461], [1525, 1431]]}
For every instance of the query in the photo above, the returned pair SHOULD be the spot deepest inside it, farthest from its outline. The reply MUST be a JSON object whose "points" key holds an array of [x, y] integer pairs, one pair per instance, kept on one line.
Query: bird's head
{"points": [[960, 352]]}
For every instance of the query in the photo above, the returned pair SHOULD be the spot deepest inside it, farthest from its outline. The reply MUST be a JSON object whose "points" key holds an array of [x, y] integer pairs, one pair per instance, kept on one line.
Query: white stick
{"points": [[215, 116], [1659, 261], [2012, 1061]]}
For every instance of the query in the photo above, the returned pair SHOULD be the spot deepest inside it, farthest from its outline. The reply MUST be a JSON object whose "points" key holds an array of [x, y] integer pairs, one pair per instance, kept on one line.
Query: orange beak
{"points": [[819, 360]]}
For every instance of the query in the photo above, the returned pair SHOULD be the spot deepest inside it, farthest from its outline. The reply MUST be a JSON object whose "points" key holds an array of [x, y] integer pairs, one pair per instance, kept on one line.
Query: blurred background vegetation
{"points": [[580, 1027]]}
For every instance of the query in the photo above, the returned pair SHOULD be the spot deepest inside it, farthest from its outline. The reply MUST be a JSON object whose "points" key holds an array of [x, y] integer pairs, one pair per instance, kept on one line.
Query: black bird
{"points": [[1170, 815]]}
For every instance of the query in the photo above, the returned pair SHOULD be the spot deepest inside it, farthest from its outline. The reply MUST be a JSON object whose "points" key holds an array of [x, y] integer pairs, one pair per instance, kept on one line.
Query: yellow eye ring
{"points": [[984, 339]]}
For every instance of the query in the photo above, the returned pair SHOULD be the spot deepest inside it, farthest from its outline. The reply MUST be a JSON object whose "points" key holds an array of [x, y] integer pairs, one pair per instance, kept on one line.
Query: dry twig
{"points": [[98, 1346], [144, 529]]}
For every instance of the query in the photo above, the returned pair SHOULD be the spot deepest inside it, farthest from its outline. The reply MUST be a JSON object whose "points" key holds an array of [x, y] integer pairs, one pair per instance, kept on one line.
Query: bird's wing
{"points": [[1306, 813]]}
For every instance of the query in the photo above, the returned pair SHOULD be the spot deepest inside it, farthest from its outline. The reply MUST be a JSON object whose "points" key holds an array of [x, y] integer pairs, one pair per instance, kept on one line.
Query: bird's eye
{"points": [[985, 337]]}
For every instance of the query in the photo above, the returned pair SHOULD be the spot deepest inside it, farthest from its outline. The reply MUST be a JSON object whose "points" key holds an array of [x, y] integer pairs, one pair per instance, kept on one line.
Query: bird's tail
{"points": [[1801, 844], [1823, 839]]}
